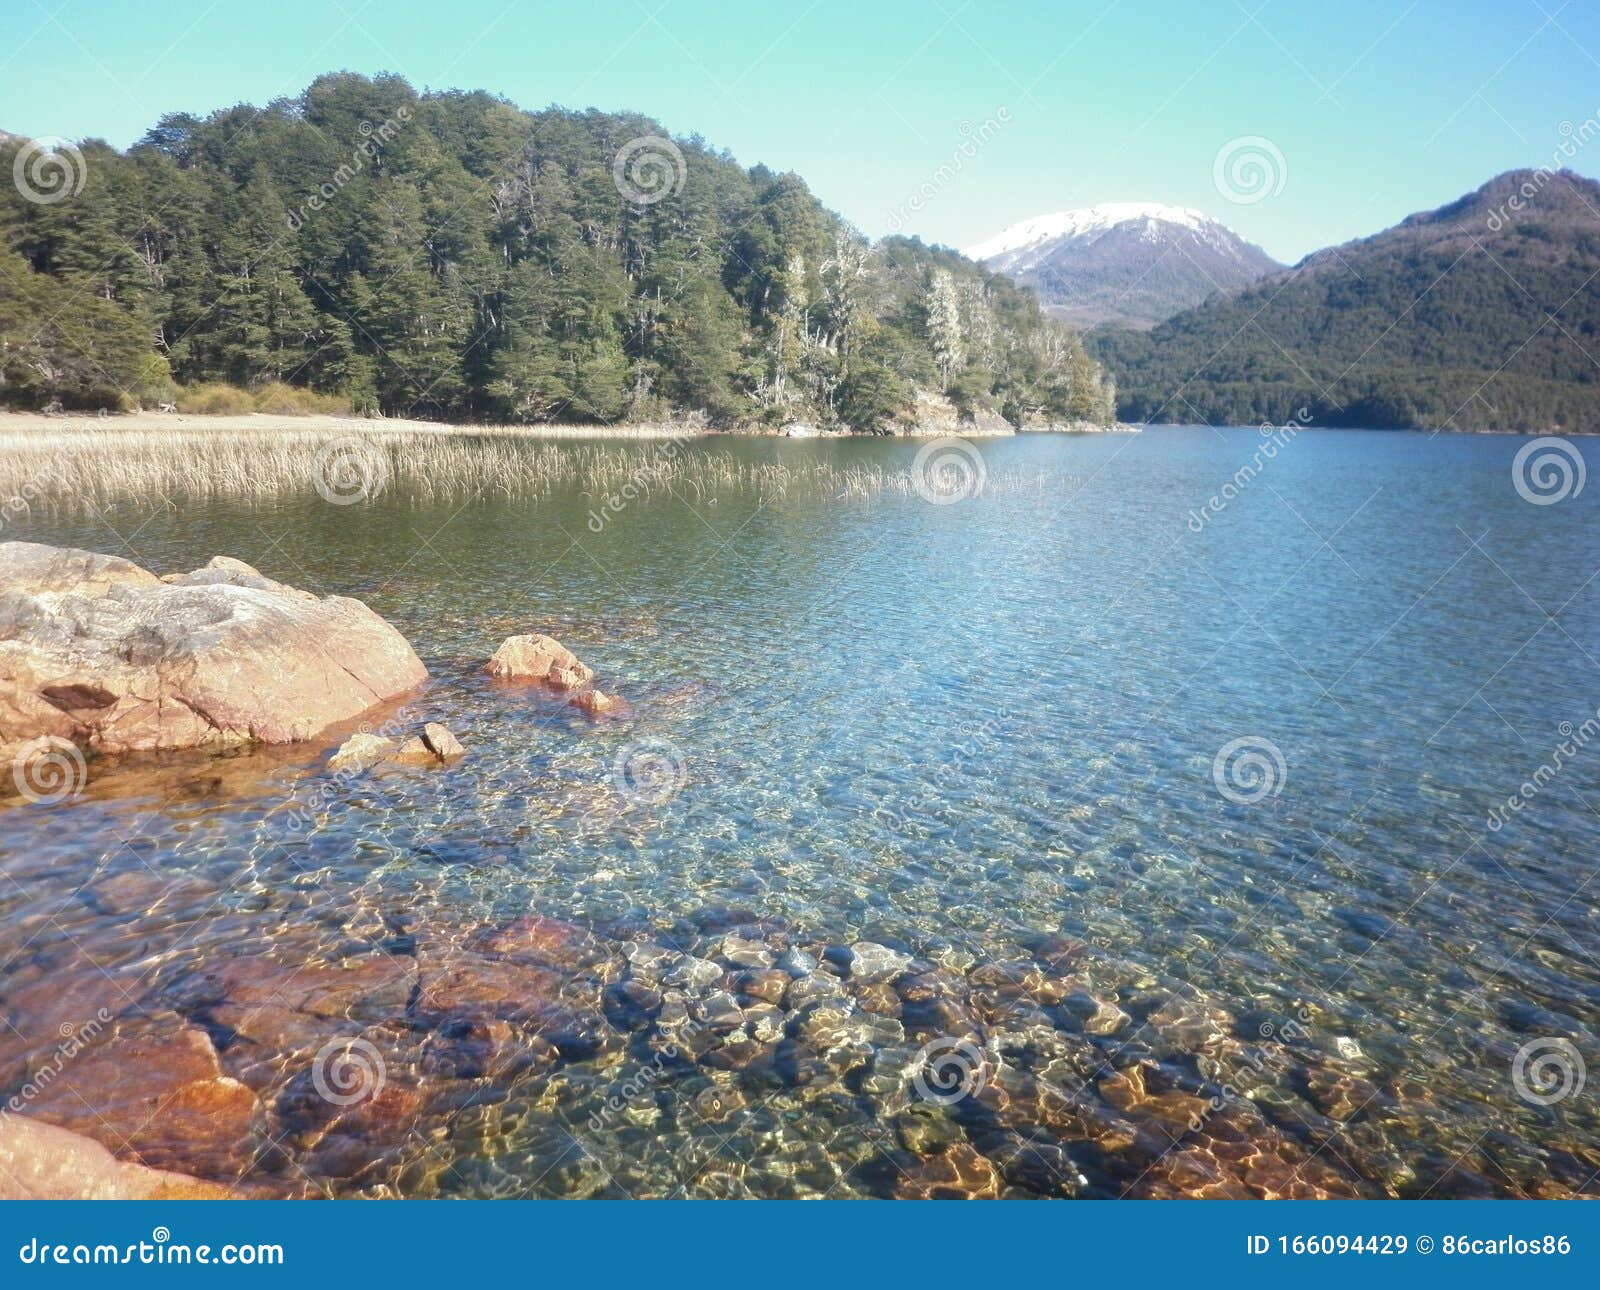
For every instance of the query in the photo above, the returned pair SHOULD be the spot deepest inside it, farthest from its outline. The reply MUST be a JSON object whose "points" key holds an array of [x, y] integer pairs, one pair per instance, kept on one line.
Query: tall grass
{"points": [[67, 470]]}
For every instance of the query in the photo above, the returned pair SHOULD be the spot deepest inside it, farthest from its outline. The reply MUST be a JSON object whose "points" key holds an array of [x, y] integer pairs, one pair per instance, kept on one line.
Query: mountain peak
{"points": [[1082, 222], [1130, 263]]}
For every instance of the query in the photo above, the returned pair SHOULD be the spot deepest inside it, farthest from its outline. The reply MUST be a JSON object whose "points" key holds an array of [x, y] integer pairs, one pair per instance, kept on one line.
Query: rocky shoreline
{"points": [[370, 1074]]}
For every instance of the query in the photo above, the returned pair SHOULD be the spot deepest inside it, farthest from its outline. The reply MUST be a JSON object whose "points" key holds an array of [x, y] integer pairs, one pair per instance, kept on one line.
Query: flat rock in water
{"points": [[361, 751]]}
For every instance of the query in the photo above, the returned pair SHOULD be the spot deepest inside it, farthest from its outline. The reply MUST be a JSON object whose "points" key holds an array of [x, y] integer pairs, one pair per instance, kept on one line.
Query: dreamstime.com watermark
{"points": [[1249, 169], [1249, 769], [949, 1070], [1573, 140], [1547, 1071], [948, 470], [350, 469], [348, 1071], [21, 502], [1574, 740], [655, 467], [1548, 470], [160, 1250], [641, 1082], [973, 744], [373, 137], [48, 170], [320, 797], [973, 139], [74, 1039], [49, 770], [1238, 1085], [1273, 440], [649, 169], [650, 772]]}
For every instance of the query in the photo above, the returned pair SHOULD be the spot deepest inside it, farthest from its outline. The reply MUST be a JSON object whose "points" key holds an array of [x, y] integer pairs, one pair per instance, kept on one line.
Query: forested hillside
{"points": [[449, 255], [1481, 315]]}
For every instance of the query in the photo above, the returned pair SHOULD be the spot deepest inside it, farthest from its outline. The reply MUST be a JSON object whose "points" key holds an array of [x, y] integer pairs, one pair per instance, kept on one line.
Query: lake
{"points": [[1173, 838]]}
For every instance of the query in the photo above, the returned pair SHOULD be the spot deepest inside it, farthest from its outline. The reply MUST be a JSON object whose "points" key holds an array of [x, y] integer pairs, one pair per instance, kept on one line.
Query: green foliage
{"points": [[60, 346], [1476, 316], [448, 255]]}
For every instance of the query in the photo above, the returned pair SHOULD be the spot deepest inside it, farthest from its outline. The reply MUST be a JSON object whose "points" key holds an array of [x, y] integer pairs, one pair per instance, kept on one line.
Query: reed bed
{"points": [[52, 470]]}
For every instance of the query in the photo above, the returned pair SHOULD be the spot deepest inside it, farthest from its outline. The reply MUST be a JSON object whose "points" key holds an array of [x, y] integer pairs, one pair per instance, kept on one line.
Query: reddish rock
{"points": [[958, 1173], [414, 752], [459, 985], [541, 658], [101, 653], [156, 1093], [444, 745], [368, 988], [535, 938], [593, 703]]}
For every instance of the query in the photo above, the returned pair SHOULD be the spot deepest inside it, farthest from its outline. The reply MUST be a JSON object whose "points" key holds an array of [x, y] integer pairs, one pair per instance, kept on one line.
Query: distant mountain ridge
{"points": [[1131, 264], [1483, 314]]}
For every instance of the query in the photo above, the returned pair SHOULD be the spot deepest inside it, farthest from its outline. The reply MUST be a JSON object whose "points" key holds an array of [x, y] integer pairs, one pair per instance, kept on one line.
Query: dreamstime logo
{"points": [[949, 1070], [1573, 139], [649, 473], [49, 769], [347, 1071], [1249, 169], [973, 138], [49, 170], [75, 1037], [650, 772], [1548, 470], [948, 470], [373, 138], [1249, 769], [970, 749], [1273, 440], [649, 169], [1547, 1071], [21, 503], [350, 470]]}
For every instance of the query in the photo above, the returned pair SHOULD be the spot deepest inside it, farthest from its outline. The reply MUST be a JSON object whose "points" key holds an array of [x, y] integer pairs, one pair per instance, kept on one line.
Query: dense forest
{"points": [[449, 255], [1482, 315]]}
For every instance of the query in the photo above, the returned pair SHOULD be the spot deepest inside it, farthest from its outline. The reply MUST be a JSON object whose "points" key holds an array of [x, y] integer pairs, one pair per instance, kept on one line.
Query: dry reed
{"points": [[66, 469]]}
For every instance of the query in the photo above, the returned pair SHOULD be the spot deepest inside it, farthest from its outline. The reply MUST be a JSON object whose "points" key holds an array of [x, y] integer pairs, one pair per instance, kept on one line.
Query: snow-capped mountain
{"points": [[1131, 264]]}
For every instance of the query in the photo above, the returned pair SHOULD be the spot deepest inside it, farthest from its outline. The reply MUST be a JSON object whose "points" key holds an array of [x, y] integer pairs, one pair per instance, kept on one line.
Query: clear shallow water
{"points": [[979, 734]]}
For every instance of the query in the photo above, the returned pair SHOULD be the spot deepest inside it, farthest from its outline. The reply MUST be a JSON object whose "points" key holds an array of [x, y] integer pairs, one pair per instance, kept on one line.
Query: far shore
{"points": [[35, 423]]}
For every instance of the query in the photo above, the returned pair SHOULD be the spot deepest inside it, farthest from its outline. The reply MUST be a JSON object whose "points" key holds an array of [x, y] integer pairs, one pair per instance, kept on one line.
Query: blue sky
{"points": [[1377, 109]]}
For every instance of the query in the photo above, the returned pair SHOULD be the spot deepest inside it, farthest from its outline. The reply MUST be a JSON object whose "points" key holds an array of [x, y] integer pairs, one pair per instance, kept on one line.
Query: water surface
{"points": [[978, 734]]}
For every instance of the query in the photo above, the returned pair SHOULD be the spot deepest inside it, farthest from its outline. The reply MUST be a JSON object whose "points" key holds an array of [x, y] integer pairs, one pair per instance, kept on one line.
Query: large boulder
{"points": [[96, 650]]}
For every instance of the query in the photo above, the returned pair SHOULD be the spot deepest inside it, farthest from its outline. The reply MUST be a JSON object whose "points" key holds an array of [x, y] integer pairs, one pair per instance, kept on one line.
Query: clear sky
{"points": [[1377, 109]]}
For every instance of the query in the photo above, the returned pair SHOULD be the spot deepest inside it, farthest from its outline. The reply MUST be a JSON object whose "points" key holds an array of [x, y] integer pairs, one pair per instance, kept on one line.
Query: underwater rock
{"points": [[155, 1090], [595, 703], [958, 1173]]}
